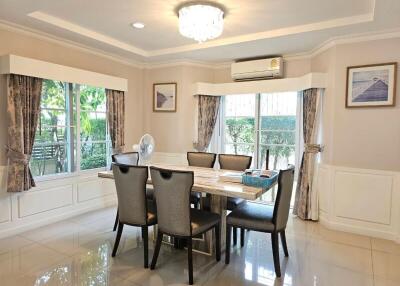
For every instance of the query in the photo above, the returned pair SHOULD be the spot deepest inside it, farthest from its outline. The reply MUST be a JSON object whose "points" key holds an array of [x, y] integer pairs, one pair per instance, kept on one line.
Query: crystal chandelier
{"points": [[201, 22]]}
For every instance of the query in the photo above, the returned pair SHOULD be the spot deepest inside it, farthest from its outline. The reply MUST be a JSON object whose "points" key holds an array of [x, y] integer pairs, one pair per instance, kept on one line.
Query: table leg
{"points": [[218, 205]]}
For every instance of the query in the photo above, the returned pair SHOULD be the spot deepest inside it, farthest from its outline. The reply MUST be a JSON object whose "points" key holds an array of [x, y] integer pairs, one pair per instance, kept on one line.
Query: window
{"points": [[72, 129], [251, 124], [94, 141], [239, 124]]}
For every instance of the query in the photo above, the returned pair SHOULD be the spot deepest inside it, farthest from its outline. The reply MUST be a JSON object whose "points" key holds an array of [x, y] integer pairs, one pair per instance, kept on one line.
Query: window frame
{"points": [[74, 168]]}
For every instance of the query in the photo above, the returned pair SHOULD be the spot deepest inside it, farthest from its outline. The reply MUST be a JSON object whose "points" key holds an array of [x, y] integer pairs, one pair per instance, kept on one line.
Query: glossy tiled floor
{"points": [[78, 252]]}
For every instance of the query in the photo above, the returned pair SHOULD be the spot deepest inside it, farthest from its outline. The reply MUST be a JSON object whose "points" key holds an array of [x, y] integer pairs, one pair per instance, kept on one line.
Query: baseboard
{"points": [[351, 228]]}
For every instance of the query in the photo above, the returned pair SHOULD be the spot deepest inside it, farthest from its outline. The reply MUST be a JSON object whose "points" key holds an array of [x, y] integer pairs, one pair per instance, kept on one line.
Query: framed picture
{"points": [[371, 85], [164, 97]]}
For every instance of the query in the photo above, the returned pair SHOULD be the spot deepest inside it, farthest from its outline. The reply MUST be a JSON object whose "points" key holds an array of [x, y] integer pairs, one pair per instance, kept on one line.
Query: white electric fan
{"points": [[145, 148]]}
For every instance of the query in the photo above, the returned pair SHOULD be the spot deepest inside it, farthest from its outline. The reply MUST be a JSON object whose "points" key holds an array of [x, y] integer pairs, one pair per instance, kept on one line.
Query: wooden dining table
{"points": [[208, 181]]}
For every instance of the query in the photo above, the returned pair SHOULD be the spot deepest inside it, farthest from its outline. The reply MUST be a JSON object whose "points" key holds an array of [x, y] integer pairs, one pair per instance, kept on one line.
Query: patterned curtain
{"points": [[116, 119], [23, 107], [207, 117], [306, 201]]}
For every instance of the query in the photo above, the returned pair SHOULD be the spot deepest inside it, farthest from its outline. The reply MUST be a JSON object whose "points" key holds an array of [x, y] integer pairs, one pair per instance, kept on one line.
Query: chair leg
{"points": [[275, 252], [145, 235], [190, 260], [234, 235], [242, 231], [228, 243], [157, 249], [116, 221], [218, 241], [284, 244], [117, 239]]}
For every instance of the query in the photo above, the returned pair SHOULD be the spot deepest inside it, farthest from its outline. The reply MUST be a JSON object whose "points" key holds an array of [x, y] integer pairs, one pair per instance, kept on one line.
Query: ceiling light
{"points": [[138, 25], [201, 22]]}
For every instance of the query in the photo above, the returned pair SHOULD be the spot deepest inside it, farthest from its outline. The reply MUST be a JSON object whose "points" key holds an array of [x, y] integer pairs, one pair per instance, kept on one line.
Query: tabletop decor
{"points": [[164, 97], [371, 85]]}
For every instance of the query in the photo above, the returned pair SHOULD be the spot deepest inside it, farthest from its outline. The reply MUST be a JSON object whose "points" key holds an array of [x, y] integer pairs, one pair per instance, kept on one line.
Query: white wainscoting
{"points": [[61, 198], [52, 200], [361, 201]]}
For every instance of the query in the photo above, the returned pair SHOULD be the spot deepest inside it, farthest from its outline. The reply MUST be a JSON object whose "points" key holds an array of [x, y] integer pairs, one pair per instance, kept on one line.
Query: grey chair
{"points": [[128, 158], [175, 216], [132, 159], [265, 218], [200, 159], [236, 163], [133, 207]]}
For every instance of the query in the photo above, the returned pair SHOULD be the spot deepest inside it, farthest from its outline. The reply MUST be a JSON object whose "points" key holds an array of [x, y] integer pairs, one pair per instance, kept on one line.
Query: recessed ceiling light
{"points": [[138, 25]]}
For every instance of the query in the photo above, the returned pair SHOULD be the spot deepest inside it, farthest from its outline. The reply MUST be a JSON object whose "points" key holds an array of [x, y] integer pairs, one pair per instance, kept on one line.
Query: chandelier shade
{"points": [[201, 22]]}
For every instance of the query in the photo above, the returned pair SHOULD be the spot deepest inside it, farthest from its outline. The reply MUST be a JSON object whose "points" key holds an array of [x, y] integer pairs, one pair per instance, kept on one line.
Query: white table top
{"points": [[206, 180]]}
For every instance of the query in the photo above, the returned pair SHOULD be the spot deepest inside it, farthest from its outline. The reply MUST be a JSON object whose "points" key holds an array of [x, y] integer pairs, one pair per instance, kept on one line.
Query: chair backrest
{"points": [[234, 162], [172, 192], [128, 158], [283, 197], [130, 182], [201, 159]]}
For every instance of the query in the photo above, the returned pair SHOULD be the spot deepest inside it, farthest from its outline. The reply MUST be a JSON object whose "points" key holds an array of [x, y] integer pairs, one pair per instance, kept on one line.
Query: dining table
{"points": [[213, 184]]}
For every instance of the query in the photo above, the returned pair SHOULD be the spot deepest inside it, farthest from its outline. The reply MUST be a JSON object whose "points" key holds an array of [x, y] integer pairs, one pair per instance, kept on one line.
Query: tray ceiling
{"points": [[252, 27]]}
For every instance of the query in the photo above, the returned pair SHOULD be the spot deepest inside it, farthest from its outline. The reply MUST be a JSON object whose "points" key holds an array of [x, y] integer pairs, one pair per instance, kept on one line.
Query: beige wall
{"points": [[366, 137], [23, 45], [361, 138], [174, 132]]}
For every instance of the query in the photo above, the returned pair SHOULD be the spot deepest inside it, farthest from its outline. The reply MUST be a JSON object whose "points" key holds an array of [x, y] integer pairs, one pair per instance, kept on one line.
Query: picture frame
{"points": [[165, 97], [371, 85]]}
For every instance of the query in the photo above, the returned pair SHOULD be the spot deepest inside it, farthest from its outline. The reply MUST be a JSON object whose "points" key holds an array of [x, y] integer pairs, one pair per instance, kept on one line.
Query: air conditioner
{"points": [[257, 69]]}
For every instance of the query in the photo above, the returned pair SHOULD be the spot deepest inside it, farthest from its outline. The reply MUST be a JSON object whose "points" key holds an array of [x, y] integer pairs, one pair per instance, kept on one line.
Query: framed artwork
{"points": [[164, 97], [371, 85]]}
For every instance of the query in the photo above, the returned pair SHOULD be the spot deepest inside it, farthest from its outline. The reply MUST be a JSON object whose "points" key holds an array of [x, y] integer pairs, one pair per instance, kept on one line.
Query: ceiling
{"points": [[252, 27]]}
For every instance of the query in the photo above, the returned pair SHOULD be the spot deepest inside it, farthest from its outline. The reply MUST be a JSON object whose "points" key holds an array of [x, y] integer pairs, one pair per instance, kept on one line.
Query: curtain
{"points": [[116, 119], [208, 107], [306, 200], [23, 108]]}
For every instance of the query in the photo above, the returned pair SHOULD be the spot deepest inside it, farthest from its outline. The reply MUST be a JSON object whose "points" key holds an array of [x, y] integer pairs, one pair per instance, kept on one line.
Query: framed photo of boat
{"points": [[371, 85], [164, 97]]}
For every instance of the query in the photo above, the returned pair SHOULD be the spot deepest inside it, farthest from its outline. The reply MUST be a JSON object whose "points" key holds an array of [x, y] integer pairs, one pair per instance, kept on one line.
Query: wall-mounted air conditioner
{"points": [[257, 69]]}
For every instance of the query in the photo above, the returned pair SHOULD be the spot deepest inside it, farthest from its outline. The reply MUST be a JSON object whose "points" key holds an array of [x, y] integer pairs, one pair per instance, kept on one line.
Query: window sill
{"points": [[83, 173]]}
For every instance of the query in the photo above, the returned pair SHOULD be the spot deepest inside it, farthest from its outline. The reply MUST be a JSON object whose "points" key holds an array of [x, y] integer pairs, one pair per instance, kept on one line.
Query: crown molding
{"points": [[364, 37], [12, 27], [343, 40]]}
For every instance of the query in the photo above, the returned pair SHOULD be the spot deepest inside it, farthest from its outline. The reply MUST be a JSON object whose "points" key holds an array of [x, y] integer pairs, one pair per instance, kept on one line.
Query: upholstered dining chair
{"points": [[200, 159], [132, 159], [128, 158], [133, 206], [236, 163], [265, 218], [175, 216]]}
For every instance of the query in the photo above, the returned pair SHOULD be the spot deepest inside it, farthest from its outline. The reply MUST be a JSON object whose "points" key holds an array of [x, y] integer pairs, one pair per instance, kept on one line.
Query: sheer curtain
{"points": [[23, 108], [306, 204]]}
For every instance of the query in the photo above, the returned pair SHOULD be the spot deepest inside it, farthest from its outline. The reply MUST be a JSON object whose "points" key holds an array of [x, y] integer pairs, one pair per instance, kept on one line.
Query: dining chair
{"points": [[265, 218], [175, 216], [133, 206], [132, 159], [200, 159], [236, 163]]}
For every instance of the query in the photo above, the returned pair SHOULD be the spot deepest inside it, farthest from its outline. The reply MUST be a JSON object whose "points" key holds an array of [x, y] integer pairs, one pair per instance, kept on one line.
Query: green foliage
{"points": [[240, 130], [95, 161], [278, 135]]}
